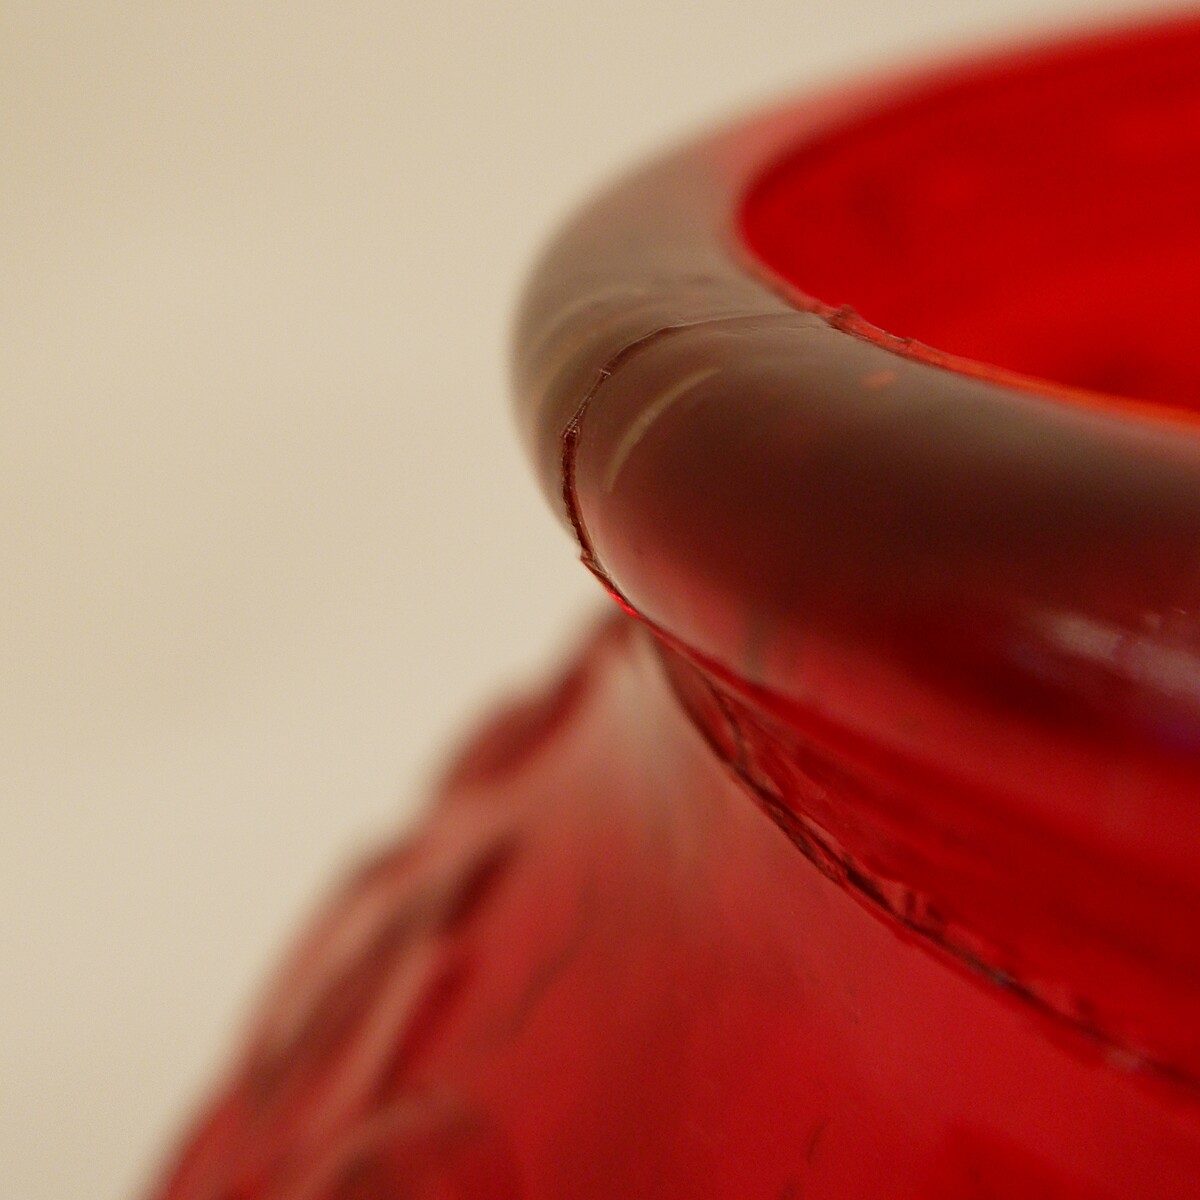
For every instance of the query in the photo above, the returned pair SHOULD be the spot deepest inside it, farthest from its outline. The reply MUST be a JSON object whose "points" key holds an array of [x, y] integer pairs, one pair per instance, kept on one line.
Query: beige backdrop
{"points": [[266, 538]]}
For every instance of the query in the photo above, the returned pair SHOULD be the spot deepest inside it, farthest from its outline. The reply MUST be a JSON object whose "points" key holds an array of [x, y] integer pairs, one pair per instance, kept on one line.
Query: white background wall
{"points": [[266, 537]]}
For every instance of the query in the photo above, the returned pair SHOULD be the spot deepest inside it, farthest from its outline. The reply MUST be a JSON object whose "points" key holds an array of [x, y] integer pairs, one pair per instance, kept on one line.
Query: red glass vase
{"points": [[858, 853]]}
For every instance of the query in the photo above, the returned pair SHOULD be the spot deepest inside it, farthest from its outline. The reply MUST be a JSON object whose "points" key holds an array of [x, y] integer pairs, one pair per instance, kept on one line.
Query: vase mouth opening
{"points": [[1040, 219]]}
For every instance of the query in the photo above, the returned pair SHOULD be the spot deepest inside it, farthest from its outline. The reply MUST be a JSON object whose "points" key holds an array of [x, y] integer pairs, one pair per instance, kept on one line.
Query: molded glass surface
{"points": [[858, 852]]}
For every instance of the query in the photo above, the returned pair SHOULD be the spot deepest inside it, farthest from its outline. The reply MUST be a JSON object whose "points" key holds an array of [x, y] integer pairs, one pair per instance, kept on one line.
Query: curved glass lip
{"points": [[700, 193], [971, 598], [1071, 651]]}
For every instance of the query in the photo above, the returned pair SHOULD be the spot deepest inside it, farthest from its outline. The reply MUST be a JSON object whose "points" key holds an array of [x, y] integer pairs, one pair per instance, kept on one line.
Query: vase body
{"points": [[857, 852], [599, 970]]}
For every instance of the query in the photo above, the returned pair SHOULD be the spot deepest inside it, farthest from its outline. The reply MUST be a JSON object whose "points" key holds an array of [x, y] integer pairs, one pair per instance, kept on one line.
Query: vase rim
{"points": [[982, 583]]}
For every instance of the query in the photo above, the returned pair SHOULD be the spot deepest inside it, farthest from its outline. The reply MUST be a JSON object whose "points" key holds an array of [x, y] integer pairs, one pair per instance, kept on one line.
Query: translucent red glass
{"points": [[858, 853]]}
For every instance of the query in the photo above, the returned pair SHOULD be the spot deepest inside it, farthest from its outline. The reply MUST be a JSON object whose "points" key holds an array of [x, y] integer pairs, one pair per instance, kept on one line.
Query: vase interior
{"points": [[1042, 217]]}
